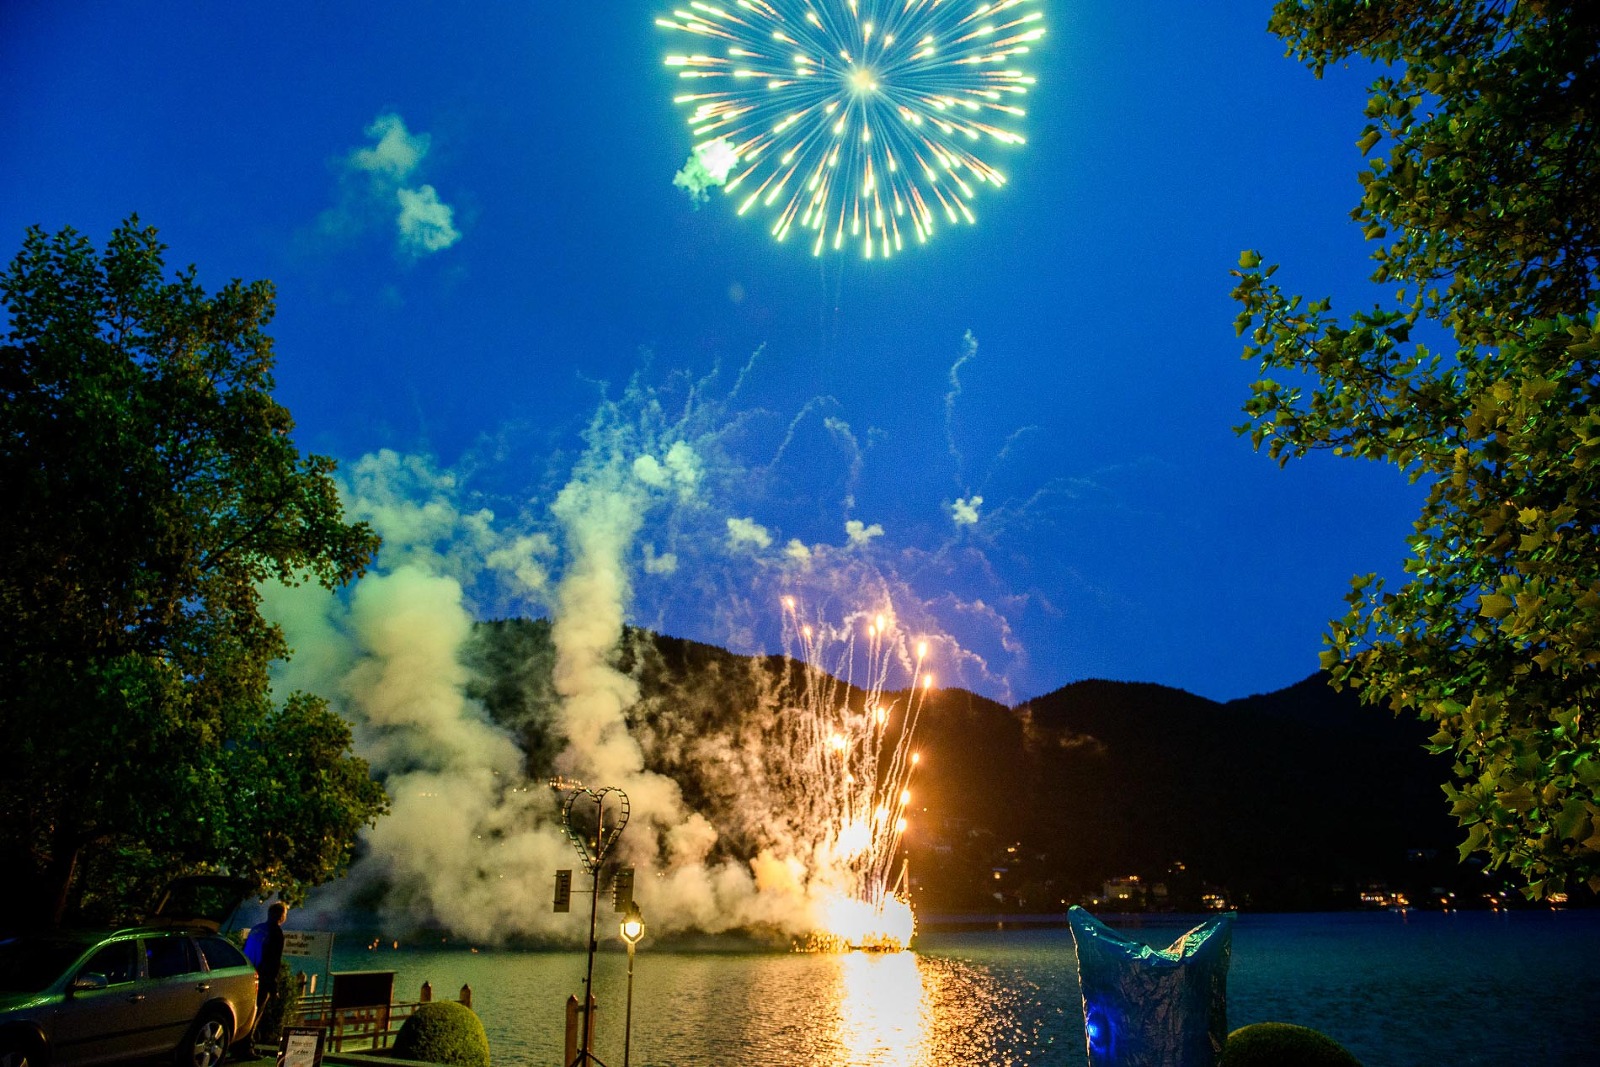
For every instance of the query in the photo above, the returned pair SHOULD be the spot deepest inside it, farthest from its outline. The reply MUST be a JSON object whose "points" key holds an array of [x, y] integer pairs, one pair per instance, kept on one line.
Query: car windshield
{"points": [[29, 964]]}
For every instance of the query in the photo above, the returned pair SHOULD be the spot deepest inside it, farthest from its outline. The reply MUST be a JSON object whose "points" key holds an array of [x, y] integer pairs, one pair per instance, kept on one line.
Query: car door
{"points": [[95, 1025], [175, 985]]}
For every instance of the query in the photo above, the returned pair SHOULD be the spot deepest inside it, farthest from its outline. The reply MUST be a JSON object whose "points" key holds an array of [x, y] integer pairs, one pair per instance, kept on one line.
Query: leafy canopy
{"points": [[1482, 199], [151, 484]]}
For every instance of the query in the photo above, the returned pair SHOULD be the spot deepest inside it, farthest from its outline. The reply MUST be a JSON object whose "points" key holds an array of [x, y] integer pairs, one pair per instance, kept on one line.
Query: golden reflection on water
{"points": [[884, 1014], [773, 1009], [902, 1009]]}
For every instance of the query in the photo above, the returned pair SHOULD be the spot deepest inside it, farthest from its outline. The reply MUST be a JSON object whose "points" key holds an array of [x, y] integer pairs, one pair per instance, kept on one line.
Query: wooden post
{"points": [[466, 995], [574, 1029], [571, 1046], [427, 993]]}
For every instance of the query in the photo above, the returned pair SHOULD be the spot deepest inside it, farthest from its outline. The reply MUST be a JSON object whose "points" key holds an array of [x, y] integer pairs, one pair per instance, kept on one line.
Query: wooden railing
{"points": [[365, 1028]]}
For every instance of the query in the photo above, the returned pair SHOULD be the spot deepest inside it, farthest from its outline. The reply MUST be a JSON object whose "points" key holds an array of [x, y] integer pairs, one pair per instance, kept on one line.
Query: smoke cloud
{"points": [[651, 523], [377, 181], [707, 167]]}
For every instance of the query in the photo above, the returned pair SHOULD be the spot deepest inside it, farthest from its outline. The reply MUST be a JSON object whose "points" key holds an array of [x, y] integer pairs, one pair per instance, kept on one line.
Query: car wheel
{"points": [[207, 1042], [16, 1052]]}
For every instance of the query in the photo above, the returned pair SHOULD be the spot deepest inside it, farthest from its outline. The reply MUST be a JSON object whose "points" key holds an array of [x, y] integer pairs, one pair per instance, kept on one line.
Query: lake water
{"points": [[1406, 990]]}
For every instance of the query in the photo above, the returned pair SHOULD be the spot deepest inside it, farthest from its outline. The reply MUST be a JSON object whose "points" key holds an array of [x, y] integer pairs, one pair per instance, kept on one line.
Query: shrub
{"points": [[1283, 1045], [281, 1009], [444, 1032]]}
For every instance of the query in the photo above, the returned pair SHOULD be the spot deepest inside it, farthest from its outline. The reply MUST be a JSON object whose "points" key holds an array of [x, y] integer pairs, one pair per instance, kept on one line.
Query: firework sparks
{"points": [[853, 744], [858, 120]]}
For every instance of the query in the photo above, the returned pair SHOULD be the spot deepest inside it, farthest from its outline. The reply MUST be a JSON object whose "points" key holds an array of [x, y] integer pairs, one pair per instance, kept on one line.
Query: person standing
{"points": [[264, 947]]}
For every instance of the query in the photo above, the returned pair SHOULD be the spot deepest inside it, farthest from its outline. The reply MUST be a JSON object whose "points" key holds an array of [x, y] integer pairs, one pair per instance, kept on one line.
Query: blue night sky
{"points": [[1125, 531]]}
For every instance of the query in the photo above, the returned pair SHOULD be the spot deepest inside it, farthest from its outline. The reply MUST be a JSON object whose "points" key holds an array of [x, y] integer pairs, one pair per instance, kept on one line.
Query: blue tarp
{"points": [[1147, 1007]]}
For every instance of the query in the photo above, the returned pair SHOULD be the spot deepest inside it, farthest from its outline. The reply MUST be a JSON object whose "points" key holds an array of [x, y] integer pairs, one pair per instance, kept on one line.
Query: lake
{"points": [[1396, 989]]}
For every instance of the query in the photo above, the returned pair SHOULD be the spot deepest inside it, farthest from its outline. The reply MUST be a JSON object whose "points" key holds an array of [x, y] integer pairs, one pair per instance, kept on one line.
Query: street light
{"points": [[632, 931], [593, 852], [632, 926]]}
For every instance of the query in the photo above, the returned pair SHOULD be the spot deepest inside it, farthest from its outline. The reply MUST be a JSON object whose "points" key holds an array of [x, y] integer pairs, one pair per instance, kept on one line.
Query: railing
{"points": [[361, 1029]]}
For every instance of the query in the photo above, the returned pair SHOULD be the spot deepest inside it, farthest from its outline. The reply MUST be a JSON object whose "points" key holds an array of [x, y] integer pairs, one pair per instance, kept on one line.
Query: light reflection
{"points": [[884, 1011]]}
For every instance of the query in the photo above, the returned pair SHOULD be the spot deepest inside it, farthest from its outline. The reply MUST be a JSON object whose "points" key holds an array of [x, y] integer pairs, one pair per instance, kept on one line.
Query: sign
{"points": [[563, 891], [363, 989], [307, 943], [622, 890], [300, 1046]]}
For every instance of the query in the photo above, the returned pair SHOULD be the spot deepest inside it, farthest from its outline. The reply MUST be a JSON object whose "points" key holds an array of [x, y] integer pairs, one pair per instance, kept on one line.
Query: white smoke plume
{"points": [[377, 181], [473, 842], [706, 168]]}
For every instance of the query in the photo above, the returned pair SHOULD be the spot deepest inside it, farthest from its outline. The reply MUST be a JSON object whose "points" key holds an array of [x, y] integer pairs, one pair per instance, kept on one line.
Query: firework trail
{"points": [[851, 742]]}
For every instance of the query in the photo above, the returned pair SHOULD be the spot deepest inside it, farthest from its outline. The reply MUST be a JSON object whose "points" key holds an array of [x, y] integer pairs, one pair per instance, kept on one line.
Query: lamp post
{"points": [[632, 932], [593, 852]]}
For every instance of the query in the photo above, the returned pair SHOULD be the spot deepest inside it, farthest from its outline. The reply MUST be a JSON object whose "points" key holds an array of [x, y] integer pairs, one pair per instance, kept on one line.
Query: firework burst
{"points": [[860, 121], [853, 745]]}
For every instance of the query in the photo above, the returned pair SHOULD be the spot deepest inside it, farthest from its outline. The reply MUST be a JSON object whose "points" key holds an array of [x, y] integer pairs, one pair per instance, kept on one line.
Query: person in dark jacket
{"points": [[264, 946]]}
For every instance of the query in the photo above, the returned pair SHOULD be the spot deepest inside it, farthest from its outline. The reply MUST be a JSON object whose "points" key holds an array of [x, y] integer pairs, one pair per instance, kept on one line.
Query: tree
{"points": [[151, 484], [1485, 211]]}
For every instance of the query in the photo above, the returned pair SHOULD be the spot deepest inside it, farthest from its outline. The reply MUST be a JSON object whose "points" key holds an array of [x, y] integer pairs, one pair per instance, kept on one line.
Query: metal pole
{"points": [[594, 904], [593, 855], [627, 1025]]}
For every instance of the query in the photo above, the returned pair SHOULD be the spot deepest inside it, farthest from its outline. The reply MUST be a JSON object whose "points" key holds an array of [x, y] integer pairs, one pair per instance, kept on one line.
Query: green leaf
{"points": [[1519, 800], [1572, 821], [1495, 605], [1587, 770]]}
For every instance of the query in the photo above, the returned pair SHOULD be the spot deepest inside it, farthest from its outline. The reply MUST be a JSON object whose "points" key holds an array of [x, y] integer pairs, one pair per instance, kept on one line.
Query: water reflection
{"points": [[884, 1011], [993, 999], [791, 1009]]}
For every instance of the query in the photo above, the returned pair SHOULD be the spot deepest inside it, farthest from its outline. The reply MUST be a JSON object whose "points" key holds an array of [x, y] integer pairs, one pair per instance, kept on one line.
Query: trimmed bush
{"points": [[280, 1009], [444, 1032], [1283, 1045]]}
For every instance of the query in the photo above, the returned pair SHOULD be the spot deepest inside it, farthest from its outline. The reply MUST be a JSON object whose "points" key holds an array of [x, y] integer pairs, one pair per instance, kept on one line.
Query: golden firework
{"points": [[852, 749], [858, 120]]}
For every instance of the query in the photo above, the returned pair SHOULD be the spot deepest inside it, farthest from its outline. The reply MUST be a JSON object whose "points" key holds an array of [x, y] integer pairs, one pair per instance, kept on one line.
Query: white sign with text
{"points": [[317, 945]]}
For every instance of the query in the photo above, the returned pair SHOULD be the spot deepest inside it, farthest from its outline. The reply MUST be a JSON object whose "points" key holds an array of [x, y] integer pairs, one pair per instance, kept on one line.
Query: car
{"points": [[173, 988]]}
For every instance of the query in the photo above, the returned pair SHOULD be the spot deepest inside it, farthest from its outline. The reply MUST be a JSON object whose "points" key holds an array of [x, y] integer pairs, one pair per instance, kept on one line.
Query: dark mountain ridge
{"points": [[1300, 798], [1295, 799]]}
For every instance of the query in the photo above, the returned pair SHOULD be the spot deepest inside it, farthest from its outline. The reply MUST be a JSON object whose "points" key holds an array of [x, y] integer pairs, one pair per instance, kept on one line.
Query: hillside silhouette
{"points": [[1295, 799]]}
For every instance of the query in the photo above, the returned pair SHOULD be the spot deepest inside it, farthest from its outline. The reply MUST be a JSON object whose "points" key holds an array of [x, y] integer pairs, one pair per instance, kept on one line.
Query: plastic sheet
{"points": [[1147, 1007]]}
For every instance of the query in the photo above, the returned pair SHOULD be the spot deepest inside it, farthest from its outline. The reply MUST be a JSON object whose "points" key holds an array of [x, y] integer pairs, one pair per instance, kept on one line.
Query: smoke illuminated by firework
{"points": [[852, 742], [860, 120], [771, 798]]}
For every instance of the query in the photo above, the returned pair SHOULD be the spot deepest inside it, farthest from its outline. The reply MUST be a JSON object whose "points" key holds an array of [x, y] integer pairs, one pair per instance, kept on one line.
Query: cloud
{"points": [[681, 468], [861, 534], [397, 152], [427, 519], [377, 184], [426, 225], [706, 167], [747, 532], [663, 564]]}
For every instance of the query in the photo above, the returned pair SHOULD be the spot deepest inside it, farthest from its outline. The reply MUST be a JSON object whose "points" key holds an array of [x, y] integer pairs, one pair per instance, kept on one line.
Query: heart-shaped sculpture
{"points": [[594, 851]]}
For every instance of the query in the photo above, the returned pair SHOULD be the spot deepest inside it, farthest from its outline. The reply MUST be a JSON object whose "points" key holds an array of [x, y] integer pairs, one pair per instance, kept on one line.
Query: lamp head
{"points": [[632, 925]]}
